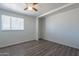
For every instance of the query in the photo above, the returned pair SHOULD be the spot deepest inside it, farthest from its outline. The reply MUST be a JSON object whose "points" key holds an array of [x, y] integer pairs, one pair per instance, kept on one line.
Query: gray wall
{"points": [[62, 28], [41, 27], [14, 37]]}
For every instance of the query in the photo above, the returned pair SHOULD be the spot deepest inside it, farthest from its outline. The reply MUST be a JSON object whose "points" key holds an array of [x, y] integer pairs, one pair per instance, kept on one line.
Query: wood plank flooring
{"points": [[39, 48]]}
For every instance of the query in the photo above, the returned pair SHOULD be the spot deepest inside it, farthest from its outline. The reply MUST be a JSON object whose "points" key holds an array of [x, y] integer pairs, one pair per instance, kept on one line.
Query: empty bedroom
{"points": [[39, 29]]}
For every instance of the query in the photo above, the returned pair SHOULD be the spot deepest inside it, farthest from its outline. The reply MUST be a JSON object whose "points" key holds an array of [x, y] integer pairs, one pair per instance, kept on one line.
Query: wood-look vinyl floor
{"points": [[39, 48]]}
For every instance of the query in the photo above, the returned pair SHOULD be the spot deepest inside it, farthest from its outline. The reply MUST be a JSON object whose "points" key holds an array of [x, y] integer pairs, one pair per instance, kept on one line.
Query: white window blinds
{"points": [[12, 23]]}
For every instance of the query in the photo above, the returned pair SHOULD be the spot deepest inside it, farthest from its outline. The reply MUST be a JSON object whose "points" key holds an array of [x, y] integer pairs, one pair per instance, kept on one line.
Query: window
{"points": [[12, 23]]}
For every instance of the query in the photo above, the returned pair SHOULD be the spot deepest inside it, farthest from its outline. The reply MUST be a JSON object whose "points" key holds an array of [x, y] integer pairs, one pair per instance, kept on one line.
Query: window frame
{"points": [[11, 24]]}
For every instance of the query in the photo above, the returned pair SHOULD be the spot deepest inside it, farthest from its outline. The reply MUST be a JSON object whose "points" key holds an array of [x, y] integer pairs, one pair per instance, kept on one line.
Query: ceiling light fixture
{"points": [[31, 6]]}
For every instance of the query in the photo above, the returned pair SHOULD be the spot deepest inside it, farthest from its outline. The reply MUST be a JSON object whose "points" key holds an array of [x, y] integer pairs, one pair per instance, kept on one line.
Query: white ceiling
{"points": [[19, 8]]}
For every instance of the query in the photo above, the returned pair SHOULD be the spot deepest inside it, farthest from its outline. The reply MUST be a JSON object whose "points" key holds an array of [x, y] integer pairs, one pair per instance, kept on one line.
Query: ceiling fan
{"points": [[31, 6]]}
